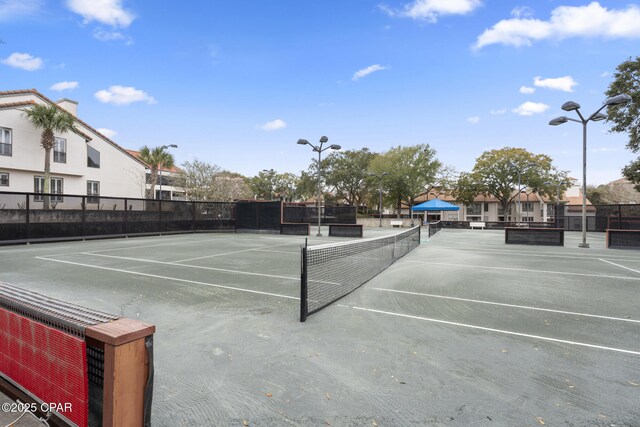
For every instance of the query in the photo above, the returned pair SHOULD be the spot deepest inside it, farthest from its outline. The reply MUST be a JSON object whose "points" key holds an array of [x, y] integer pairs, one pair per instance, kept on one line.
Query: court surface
{"points": [[464, 330]]}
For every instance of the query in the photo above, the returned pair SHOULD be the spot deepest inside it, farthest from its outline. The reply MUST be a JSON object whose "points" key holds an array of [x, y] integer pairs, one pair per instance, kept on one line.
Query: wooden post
{"points": [[126, 369]]}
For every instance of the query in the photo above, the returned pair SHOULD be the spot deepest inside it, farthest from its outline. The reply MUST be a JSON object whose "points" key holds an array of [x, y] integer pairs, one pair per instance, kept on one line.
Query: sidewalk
{"points": [[7, 417]]}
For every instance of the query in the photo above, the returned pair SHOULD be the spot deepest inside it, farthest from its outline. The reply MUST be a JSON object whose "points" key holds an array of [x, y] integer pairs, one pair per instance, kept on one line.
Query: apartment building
{"points": [[83, 162], [166, 187], [532, 206]]}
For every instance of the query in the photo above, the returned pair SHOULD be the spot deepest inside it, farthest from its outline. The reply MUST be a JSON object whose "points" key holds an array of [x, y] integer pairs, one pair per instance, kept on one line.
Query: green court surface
{"points": [[464, 330]]}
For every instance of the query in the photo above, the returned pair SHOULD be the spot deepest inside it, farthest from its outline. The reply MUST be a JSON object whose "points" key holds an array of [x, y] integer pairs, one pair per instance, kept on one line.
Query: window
{"points": [[474, 209], [93, 157], [4, 179], [486, 207], [5, 142], [60, 150], [56, 188], [527, 207], [93, 191]]}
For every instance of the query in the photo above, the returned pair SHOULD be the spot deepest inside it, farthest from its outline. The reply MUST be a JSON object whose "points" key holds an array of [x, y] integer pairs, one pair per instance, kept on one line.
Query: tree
{"points": [[204, 181], [285, 186], [409, 170], [51, 119], [616, 192], [347, 173], [626, 118], [262, 185], [496, 173], [444, 181], [155, 158], [306, 186]]}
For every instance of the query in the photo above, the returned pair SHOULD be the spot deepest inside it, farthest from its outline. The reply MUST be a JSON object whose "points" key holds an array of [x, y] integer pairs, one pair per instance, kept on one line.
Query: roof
{"points": [[435, 205], [47, 100]]}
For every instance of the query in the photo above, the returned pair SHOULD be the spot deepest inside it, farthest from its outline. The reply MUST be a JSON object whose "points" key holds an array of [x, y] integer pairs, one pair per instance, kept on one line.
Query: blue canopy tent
{"points": [[434, 205]]}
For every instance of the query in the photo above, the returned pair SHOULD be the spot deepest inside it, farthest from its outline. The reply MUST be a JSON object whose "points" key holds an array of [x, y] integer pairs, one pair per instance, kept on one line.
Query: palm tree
{"points": [[156, 158], [50, 119]]}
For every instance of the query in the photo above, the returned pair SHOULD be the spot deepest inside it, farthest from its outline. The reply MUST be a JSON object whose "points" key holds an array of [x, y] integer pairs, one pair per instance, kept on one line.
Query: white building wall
{"points": [[119, 174]]}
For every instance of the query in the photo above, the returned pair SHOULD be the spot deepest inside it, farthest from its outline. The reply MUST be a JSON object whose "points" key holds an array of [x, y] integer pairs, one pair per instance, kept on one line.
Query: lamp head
{"points": [[303, 142], [617, 100], [558, 121], [173, 146], [598, 117], [335, 147], [570, 106], [323, 139]]}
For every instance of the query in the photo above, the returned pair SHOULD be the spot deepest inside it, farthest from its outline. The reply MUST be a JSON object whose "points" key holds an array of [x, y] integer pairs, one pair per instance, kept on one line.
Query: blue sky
{"points": [[238, 83]]}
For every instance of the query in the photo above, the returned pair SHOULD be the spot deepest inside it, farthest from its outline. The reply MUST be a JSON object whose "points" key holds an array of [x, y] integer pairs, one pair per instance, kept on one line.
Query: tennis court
{"points": [[463, 330]]}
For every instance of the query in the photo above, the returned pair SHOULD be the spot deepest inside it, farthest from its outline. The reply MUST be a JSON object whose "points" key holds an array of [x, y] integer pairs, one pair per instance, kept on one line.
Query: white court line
{"points": [[534, 254], [618, 265], [500, 331], [277, 252], [127, 247], [509, 305], [565, 273], [155, 276], [231, 253], [191, 266]]}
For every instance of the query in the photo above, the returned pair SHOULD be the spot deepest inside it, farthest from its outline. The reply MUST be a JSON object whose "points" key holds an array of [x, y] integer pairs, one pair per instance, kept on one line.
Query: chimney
{"points": [[68, 105]]}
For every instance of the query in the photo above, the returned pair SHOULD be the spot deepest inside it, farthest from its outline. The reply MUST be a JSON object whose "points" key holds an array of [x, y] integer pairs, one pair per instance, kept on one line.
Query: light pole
{"points": [[319, 150], [270, 172], [164, 147], [520, 170], [595, 117], [382, 175], [558, 185]]}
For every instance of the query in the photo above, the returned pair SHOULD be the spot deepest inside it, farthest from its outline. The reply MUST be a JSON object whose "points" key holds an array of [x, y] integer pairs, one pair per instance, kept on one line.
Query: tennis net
{"points": [[331, 271]]}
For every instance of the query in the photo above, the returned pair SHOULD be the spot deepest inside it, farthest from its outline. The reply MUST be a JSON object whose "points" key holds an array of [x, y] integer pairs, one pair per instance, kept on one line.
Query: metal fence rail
{"points": [[23, 217]]}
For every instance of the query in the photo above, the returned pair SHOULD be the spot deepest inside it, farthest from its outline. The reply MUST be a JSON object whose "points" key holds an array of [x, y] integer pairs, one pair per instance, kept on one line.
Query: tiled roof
{"points": [[16, 104]]}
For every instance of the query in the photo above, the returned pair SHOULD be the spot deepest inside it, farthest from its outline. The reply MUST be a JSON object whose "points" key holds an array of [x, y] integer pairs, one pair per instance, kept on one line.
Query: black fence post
{"points": [[303, 283], [193, 216], [28, 219], [620, 217], [83, 204], [160, 214], [125, 226]]}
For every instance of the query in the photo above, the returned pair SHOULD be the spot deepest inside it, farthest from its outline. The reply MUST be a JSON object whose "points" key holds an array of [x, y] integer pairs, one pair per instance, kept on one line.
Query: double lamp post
{"points": [[319, 150], [595, 117]]}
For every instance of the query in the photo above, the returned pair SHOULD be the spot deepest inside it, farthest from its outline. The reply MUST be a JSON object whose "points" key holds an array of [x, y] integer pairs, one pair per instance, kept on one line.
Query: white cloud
{"points": [[431, 10], [366, 71], [530, 108], [588, 21], [274, 125], [605, 74], [123, 95], [60, 86], [23, 61], [105, 36], [474, 120], [107, 132], [522, 12], [527, 89], [108, 12], [564, 84], [498, 112], [13, 9]]}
